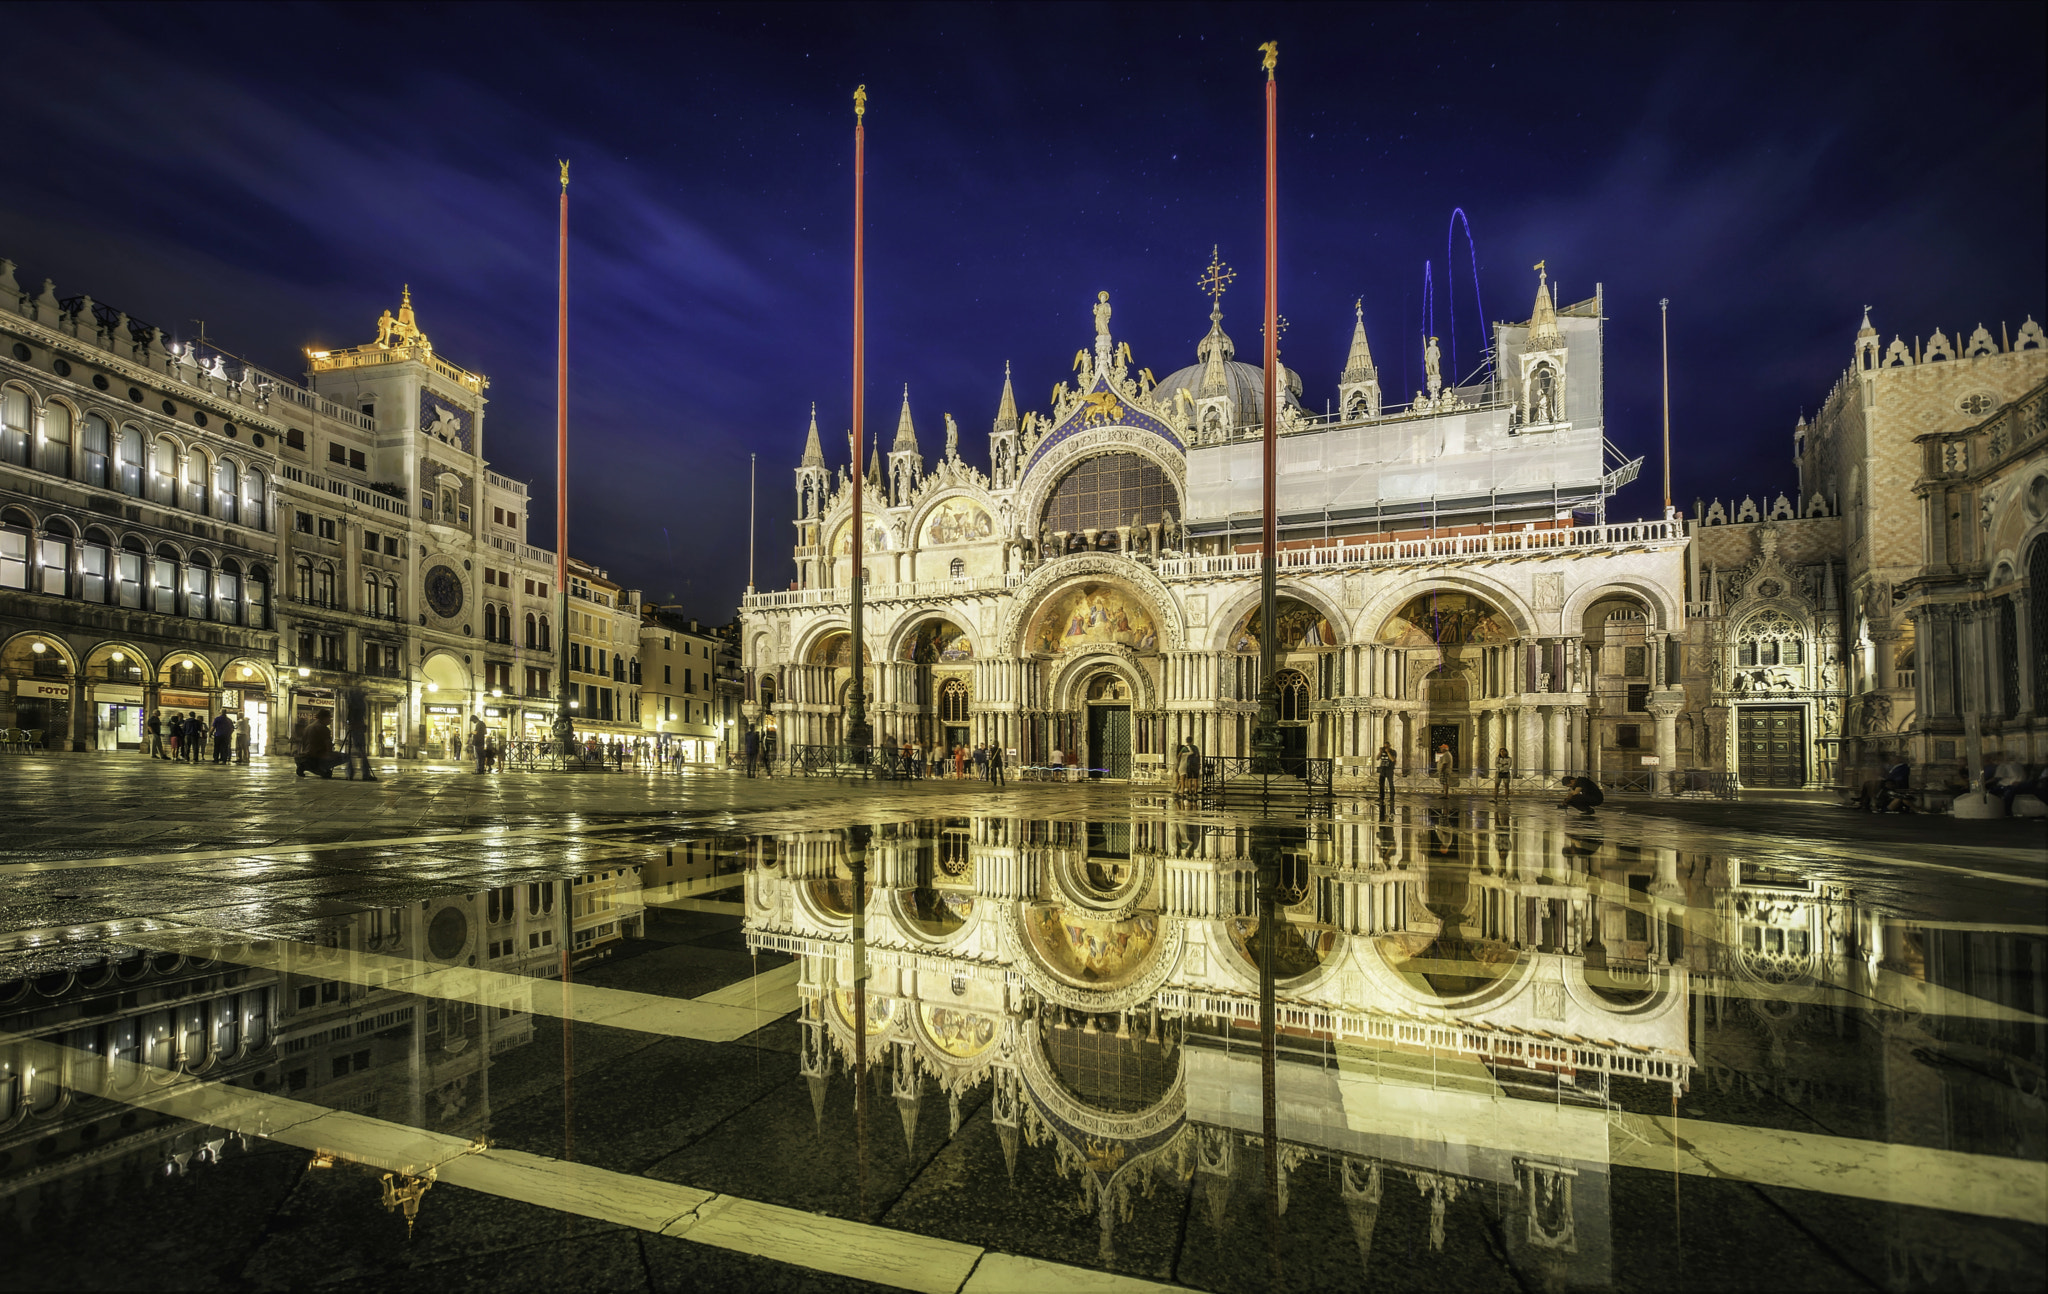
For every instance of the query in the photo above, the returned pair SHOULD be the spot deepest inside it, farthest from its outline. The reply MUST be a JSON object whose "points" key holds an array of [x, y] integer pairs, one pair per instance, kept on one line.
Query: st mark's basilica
{"points": [[1445, 554]]}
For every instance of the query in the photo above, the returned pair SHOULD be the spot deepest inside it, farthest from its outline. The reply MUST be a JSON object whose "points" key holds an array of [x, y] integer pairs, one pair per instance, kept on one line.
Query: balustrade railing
{"points": [[1434, 548]]}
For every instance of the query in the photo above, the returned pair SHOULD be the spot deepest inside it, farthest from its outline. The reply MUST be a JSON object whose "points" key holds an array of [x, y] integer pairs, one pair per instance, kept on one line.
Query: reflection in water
{"points": [[1463, 1022]]}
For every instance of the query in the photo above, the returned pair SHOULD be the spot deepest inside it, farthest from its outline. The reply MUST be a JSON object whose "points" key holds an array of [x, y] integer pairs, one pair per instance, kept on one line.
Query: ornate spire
{"points": [[1543, 333], [1215, 351], [1006, 412], [906, 435], [814, 453], [1358, 368]]}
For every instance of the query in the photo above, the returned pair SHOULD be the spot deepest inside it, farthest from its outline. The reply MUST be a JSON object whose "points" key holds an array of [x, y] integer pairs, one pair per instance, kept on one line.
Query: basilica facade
{"points": [[1448, 576]]}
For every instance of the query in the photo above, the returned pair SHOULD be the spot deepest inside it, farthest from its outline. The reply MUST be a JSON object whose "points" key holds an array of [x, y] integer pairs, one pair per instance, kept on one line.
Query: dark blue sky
{"points": [[280, 170]]}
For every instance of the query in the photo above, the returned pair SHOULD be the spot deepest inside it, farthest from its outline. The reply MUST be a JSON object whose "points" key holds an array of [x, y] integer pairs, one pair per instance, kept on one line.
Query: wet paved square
{"points": [[666, 1032]]}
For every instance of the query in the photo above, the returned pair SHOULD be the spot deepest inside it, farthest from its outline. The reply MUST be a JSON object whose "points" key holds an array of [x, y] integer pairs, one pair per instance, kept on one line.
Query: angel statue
{"points": [[1102, 314]]}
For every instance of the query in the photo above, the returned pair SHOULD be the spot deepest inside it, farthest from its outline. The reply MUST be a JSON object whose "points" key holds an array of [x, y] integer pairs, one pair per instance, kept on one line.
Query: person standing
{"points": [[753, 747], [223, 733], [242, 741], [355, 711], [156, 735], [1386, 760], [1059, 766], [995, 765], [476, 740], [1446, 766], [1503, 772], [316, 750], [981, 760]]}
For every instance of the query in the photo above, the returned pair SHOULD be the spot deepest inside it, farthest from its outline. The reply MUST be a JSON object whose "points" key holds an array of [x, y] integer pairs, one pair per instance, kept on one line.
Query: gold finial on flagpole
{"points": [[860, 101], [565, 174], [1271, 49]]}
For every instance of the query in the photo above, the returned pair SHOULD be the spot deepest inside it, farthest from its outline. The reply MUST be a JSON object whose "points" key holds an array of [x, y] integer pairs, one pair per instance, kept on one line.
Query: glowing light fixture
{"points": [[118, 658], [187, 662], [304, 672], [246, 671], [38, 648], [433, 687]]}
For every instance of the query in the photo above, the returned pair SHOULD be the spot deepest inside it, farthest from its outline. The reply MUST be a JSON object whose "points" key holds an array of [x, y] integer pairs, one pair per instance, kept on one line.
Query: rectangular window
{"points": [[336, 453], [13, 559], [129, 566], [55, 561], [498, 516], [93, 446], [164, 581], [295, 438], [665, 674], [303, 523], [1795, 653], [327, 527], [529, 588], [1767, 653], [1746, 654], [1639, 698], [391, 545], [370, 544], [92, 572], [512, 519], [689, 683]]}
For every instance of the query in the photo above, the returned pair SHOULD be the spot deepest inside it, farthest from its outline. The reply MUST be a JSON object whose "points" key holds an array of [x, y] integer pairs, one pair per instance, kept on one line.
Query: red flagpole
{"points": [[562, 449], [857, 704], [1266, 733]]}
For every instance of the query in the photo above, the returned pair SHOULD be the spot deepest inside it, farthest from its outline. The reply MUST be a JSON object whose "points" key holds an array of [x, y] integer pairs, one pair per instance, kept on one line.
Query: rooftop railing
{"points": [[1435, 548]]}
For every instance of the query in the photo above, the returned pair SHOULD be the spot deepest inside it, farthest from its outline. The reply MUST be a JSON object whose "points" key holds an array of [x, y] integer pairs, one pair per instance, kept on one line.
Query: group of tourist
{"points": [[985, 761], [185, 736]]}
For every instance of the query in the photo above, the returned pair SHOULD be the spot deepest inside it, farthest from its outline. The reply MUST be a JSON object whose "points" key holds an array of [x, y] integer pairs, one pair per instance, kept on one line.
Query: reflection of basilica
{"points": [[1465, 1009], [1102, 979], [1097, 593]]}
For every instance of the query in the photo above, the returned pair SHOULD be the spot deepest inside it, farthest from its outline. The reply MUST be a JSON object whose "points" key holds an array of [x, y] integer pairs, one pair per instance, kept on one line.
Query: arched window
{"points": [[227, 491], [195, 483], [1293, 696], [258, 590], [15, 529], [199, 588], [163, 472], [958, 570], [390, 597], [163, 581], [953, 701], [323, 586], [56, 454], [490, 623], [544, 639], [252, 499], [95, 442], [95, 563], [53, 559], [1543, 395], [447, 507], [227, 594], [531, 631], [372, 593], [128, 461], [17, 425], [302, 588]]}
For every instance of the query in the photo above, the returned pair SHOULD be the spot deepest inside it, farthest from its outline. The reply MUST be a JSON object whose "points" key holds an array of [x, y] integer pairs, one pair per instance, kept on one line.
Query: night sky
{"points": [[280, 171]]}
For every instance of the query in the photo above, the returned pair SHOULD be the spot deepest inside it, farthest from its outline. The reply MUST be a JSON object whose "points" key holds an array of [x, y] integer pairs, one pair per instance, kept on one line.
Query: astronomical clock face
{"points": [[444, 592]]}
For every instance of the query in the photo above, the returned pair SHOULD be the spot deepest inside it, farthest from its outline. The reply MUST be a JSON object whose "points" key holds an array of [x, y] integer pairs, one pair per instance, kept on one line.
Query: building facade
{"points": [[1884, 610], [604, 655], [1448, 577], [182, 531], [688, 689]]}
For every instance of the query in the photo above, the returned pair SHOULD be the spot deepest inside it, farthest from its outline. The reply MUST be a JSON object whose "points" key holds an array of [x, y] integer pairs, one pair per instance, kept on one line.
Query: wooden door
{"points": [[1772, 740]]}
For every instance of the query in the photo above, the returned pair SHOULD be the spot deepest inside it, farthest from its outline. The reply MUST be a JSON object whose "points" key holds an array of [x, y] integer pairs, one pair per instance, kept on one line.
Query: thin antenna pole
{"points": [[1664, 316], [751, 460]]}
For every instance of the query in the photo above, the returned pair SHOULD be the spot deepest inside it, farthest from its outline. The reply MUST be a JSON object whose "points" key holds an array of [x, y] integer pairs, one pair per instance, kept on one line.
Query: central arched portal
{"points": [[1095, 637]]}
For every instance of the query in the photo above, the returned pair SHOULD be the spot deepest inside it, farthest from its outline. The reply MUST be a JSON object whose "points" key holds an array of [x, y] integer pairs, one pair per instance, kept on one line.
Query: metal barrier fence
{"points": [[840, 761], [1228, 778], [1692, 784]]}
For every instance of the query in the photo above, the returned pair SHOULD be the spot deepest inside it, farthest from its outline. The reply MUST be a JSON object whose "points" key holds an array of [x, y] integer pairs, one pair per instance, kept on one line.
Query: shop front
{"points": [[252, 712], [43, 709], [441, 734], [120, 720]]}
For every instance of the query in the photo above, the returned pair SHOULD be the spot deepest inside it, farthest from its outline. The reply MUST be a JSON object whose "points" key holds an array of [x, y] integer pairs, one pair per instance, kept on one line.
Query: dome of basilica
{"points": [[1246, 382]]}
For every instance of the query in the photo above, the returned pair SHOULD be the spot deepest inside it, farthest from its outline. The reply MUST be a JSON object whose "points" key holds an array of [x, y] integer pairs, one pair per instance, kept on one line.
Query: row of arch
{"points": [[57, 558], [1468, 610], [122, 660], [90, 448]]}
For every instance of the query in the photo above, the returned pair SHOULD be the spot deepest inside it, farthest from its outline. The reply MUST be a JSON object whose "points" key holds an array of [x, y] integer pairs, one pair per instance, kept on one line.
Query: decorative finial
{"points": [[1358, 308], [565, 173], [1216, 280], [1271, 49], [860, 101], [1538, 267], [406, 295]]}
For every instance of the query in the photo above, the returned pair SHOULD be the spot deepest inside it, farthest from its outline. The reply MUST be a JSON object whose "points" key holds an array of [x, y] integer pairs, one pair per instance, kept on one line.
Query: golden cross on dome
{"points": [[1216, 280]]}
